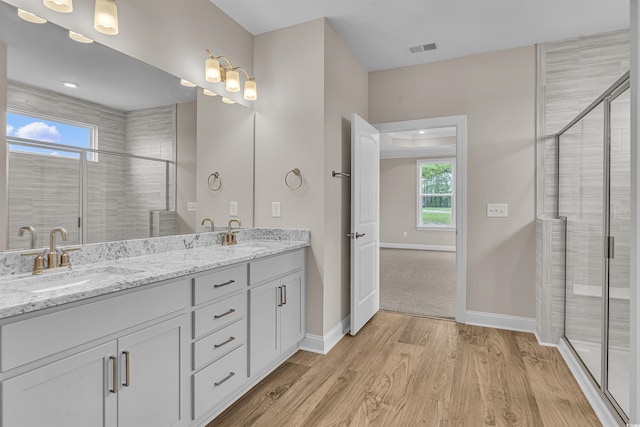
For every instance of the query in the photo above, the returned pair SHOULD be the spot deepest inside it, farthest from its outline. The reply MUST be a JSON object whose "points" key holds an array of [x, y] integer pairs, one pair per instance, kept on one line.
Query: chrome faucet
{"points": [[32, 232], [52, 258], [208, 219], [230, 236]]}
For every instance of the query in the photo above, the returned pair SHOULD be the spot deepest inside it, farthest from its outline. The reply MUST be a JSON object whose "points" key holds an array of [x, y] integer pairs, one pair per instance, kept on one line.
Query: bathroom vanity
{"points": [[165, 339]]}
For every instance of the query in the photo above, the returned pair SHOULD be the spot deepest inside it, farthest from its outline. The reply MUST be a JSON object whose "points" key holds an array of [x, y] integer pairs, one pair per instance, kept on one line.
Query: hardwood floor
{"points": [[413, 371]]}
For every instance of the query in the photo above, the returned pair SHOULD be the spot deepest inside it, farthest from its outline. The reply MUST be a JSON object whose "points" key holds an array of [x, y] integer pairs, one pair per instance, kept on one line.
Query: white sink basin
{"points": [[57, 281]]}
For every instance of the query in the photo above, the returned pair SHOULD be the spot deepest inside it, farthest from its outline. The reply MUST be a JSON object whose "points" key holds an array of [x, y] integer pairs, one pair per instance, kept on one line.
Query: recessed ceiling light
{"points": [[209, 92], [71, 85], [228, 101], [187, 83], [79, 37], [30, 17]]}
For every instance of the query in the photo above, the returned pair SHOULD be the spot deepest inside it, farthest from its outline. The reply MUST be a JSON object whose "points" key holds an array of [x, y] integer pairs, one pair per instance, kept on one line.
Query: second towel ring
{"points": [[210, 182], [296, 172]]}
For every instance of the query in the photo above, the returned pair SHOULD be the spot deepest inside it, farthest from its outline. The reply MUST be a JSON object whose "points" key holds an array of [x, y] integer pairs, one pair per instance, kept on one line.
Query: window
{"points": [[39, 135], [436, 193]]}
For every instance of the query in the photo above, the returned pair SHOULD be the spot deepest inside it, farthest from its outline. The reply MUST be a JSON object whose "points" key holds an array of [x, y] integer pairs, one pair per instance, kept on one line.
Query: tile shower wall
{"points": [[116, 192], [571, 75]]}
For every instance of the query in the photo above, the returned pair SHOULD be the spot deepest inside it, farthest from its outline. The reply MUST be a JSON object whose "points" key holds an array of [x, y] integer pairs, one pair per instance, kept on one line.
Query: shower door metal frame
{"points": [[613, 92]]}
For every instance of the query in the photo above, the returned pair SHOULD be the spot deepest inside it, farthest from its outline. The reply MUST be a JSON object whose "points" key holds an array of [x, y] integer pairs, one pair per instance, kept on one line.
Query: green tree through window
{"points": [[437, 187]]}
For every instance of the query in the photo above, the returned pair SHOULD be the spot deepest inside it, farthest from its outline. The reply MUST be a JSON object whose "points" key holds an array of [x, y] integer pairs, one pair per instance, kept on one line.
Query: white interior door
{"points": [[365, 222]]}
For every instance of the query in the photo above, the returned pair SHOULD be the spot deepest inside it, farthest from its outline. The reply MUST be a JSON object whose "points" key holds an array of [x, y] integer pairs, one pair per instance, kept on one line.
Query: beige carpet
{"points": [[418, 282]]}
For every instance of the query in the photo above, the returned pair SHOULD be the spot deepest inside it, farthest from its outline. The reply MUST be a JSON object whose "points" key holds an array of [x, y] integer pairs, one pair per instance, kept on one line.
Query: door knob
{"points": [[356, 235]]}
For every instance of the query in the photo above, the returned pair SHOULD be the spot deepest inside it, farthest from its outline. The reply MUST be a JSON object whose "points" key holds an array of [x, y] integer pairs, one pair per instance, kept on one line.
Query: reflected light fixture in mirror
{"points": [[228, 101], [209, 92], [187, 83], [79, 37], [30, 17], [64, 6], [105, 19], [214, 72]]}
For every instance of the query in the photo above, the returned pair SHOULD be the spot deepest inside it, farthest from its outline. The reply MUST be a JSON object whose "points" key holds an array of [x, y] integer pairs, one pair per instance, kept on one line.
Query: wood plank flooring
{"points": [[413, 371]]}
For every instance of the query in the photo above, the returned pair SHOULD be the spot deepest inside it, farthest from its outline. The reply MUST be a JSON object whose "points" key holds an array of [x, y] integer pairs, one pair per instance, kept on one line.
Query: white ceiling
{"points": [[380, 31]]}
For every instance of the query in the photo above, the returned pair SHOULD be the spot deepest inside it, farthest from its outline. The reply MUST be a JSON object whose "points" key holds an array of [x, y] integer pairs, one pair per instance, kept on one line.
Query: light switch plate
{"points": [[275, 209], [192, 206], [233, 208], [497, 210]]}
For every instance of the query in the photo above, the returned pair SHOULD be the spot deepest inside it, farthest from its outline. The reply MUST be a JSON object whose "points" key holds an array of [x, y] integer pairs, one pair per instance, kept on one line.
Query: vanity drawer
{"points": [[219, 283], [269, 268], [214, 316], [32, 339], [217, 344], [219, 380]]}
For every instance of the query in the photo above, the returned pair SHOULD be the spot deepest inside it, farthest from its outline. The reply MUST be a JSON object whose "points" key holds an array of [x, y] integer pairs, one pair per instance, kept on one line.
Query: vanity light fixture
{"points": [[187, 83], [30, 17], [71, 85], [64, 6], [214, 72], [228, 101], [79, 37], [105, 18], [209, 92]]}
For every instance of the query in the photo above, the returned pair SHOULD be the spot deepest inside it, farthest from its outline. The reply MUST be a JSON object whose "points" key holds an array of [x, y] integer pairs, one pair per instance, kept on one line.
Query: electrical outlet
{"points": [[404, 234], [192, 206], [233, 208], [275, 209], [497, 210]]}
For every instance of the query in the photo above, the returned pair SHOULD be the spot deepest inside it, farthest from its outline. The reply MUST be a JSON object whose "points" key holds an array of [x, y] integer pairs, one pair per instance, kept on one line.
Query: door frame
{"points": [[460, 123]]}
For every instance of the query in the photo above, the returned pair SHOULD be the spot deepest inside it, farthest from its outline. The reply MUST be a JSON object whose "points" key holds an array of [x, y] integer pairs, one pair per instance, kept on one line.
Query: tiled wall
{"points": [[121, 192]]}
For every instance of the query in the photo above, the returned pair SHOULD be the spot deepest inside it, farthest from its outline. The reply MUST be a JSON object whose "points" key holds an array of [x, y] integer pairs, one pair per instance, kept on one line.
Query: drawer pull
{"points": [[224, 284], [228, 377], [224, 343], [226, 313]]}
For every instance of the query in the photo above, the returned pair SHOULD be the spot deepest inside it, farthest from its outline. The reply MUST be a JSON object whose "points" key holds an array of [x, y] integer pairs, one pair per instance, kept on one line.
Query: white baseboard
{"points": [[324, 344], [418, 247], [544, 344], [591, 393], [501, 321]]}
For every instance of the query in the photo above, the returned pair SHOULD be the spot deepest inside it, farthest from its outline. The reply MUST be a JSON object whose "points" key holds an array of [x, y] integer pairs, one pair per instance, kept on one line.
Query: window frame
{"points": [[419, 164], [93, 134]]}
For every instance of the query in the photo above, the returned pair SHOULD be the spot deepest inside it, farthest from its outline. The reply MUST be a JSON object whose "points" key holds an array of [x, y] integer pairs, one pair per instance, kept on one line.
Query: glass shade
{"points": [[212, 70], [250, 90], [30, 17], [228, 101], [64, 6], [233, 81], [79, 37], [209, 92], [105, 19], [187, 83]]}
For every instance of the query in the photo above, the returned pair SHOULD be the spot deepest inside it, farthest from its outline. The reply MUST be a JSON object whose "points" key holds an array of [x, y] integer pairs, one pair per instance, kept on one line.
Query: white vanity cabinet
{"points": [[276, 308], [133, 376]]}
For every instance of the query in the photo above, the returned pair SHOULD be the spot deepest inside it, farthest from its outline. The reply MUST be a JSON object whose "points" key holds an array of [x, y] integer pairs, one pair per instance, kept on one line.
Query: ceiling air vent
{"points": [[422, 48]]}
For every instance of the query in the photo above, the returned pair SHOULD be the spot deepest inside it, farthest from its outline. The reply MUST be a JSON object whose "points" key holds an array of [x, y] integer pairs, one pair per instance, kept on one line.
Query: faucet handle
{"points": [[38, 265], [64, 258]]}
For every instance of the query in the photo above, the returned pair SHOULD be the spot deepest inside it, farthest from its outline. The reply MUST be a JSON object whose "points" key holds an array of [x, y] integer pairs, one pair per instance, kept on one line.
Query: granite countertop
{"points": [[130, 273]]}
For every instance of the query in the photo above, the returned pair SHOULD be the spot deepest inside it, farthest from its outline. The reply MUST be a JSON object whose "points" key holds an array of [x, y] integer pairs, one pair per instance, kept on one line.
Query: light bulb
{"points": [[79, 37], [30, 17], [233, 81], [105, 18], [250, 90], [64, 6]]}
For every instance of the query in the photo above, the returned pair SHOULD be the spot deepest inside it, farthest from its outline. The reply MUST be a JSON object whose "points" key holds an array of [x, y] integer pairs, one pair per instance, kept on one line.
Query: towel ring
{"points": [[210, 182], [294, 171]]}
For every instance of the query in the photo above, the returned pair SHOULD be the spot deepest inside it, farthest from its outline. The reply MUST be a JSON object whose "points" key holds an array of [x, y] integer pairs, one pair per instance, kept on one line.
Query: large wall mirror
{"points": [[111, 148]]}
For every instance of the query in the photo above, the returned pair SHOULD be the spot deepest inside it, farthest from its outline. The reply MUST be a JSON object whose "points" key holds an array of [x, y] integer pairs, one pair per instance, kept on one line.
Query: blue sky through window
{"points": [[51, 131]]}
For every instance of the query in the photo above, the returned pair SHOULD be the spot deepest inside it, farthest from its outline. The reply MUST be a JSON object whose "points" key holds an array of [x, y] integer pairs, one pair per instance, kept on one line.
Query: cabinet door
{"points": [[75, 391], [264, 326], [151, 391], [291, 312]]}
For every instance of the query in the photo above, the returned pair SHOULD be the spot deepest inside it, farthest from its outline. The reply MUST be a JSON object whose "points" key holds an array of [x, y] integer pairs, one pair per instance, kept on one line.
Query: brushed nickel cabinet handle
{"points": [[114, 359], [280, 296], [226, 313], [224, 284], [224, 342], [127, 378], [228, 377], [284, 302]]}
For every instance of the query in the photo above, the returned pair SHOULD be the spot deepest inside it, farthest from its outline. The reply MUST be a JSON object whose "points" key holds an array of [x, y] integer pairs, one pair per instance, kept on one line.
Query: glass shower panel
{"points": [[619, 265], [129, 198], [44, 191], [581, 201]]}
